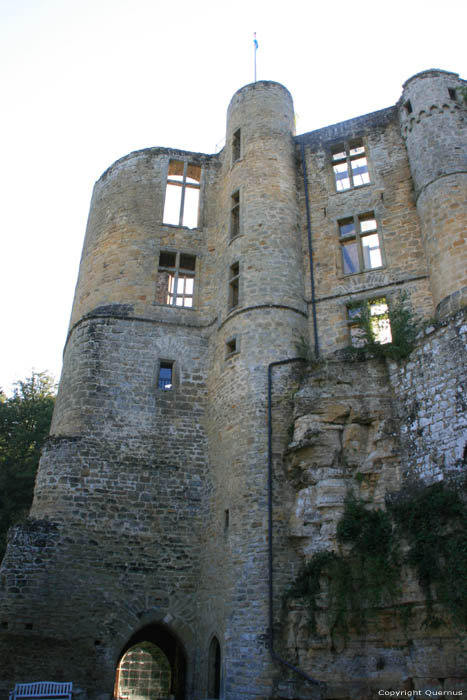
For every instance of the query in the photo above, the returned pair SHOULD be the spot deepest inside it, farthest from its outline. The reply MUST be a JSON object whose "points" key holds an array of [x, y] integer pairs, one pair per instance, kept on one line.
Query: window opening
{"points": [[235, 215], [165, 379], [230, 347], [144, 672], [376, 312], [226, 518], [176, 279], [214, 669], [182, 194], [350, 166], [452, 93], [408, 107], [234, 280], [360, 243], [236, 145]]}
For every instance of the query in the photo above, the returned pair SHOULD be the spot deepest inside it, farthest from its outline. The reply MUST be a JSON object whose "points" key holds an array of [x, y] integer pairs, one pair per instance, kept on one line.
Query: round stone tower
{"points": [[261, 318], [432, 117], [126, 466]]}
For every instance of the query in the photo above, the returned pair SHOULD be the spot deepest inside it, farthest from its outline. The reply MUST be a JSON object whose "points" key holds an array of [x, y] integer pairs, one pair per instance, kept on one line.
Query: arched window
{"points": [[143, 673], [214, 669]]}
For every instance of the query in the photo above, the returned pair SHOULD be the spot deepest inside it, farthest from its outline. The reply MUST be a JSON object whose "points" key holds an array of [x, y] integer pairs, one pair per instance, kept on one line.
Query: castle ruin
{"points": [[195, 461]]}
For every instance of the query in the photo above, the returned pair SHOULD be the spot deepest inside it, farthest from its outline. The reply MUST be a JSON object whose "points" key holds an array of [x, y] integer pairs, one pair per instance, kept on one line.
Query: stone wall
{"points": [[430, 402], [389, 195]]}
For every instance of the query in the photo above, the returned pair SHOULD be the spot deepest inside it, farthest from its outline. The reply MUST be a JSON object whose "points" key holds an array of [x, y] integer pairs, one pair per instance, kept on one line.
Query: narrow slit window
{"points": [[165, 379], [231, 347], [234, 283], [236, 145], [235, 215], [176, 279], [350, 166], [360, 244], [182, 194], [408, 107]]}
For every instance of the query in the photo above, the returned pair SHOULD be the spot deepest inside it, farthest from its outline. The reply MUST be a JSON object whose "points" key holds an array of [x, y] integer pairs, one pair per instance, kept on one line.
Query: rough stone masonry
{"points": [[151, 535]]}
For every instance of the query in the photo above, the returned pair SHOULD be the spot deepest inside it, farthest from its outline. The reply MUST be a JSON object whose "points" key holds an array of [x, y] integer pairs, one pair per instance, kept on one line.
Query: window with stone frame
{"points": [[360, 243], [235, 215], [176, 279], [369, 315], [165, 379], [234, 285], [182, 194], [350, 165]]}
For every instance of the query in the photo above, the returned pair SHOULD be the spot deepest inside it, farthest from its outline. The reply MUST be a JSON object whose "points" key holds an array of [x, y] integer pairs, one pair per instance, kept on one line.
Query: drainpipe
{"points": [[272, 651], [310, 249]]}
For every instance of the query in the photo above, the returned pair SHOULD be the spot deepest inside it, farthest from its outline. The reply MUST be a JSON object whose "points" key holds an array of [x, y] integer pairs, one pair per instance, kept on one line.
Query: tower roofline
{"points": [[155, 151], [259, 84], [431, 72]]}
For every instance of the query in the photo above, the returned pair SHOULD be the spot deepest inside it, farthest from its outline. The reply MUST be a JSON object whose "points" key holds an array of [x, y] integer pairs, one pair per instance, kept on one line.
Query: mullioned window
{"points": [[350, 166], [360, 243], [182, 194], [176, 279]]}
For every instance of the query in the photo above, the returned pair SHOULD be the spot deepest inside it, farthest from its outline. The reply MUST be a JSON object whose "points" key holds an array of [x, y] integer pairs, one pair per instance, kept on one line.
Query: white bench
{"points": [[42, 689]]}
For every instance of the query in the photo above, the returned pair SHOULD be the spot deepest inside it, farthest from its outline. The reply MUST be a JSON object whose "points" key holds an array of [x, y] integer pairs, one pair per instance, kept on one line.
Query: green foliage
{"points": [[368, 531], [333, 568], [364, 574], [304, 349], [433, 521], [357, 580], [404, 328], [24, 424]]}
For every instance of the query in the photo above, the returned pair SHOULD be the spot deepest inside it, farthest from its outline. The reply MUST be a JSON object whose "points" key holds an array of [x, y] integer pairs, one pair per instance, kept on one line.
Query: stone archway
{"points": [[152, 666]]}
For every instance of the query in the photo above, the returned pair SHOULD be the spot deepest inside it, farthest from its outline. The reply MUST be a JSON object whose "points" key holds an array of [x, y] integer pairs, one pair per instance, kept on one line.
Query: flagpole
{"points": [[255, 44]]}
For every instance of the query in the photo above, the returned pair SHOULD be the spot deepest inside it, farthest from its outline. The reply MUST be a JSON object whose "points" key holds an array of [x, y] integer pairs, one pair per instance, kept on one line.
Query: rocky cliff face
{"points": [[345, 439], [372, 629]]}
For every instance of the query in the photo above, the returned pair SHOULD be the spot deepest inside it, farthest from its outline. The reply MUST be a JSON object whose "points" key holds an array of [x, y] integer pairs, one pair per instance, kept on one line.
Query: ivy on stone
{"points": [[428, 522], [433, 521]]}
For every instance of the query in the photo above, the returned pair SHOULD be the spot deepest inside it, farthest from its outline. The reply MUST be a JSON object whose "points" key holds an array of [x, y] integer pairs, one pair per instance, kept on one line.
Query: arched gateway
{"points": [[152, 666]]}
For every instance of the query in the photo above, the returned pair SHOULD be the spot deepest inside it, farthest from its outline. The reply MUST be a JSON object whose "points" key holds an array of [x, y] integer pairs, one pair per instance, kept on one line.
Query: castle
{"points": [[195, 461]]}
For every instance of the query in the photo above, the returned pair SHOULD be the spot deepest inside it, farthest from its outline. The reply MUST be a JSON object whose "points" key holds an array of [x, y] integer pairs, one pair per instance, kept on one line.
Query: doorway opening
{"points": [[152, 666]]}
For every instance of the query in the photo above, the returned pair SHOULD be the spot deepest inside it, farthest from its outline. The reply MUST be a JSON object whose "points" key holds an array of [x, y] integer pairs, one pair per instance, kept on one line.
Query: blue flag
{"points": [[255, 43]]}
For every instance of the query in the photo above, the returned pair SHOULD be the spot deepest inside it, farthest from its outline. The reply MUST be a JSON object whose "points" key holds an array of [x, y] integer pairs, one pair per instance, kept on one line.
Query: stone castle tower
{"points": [[167, 521]]}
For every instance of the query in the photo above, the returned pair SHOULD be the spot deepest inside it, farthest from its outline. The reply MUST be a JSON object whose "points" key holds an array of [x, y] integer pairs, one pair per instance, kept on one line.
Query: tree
{"points": [[24, 424]]}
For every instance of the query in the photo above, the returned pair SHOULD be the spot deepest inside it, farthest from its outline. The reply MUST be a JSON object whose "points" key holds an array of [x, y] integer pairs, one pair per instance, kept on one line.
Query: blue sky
{"points": [[86, 81]]}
